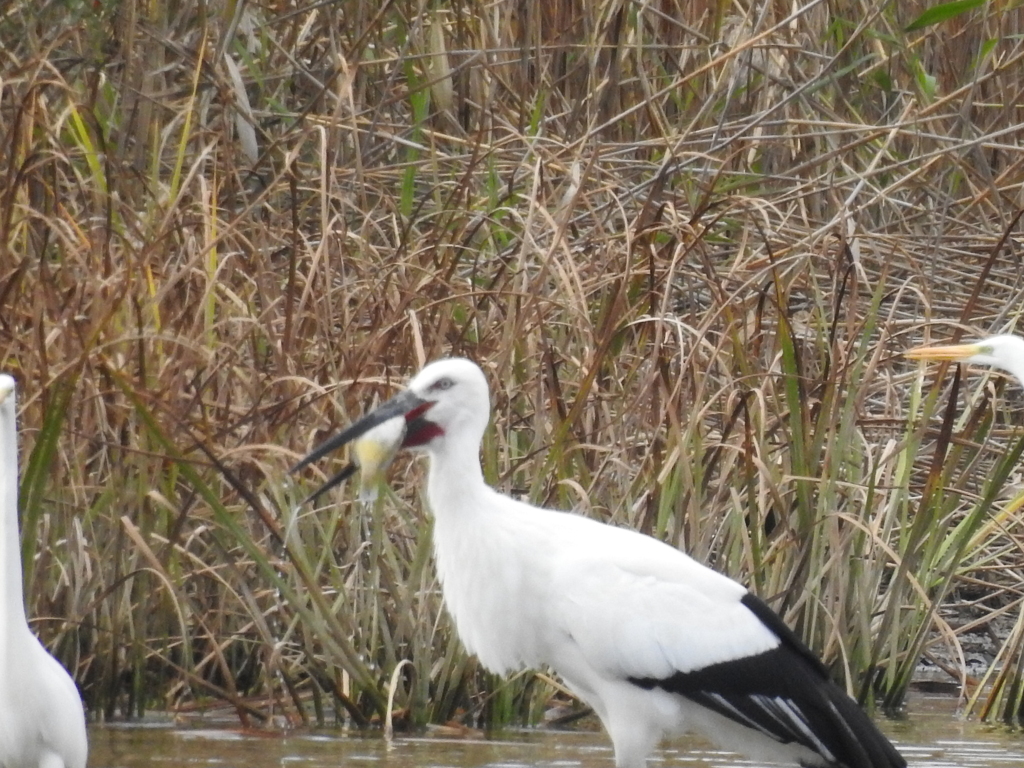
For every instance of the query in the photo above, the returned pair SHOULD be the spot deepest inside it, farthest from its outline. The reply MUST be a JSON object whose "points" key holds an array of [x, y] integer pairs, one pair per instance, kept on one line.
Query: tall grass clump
{"points": [[686, 242]]}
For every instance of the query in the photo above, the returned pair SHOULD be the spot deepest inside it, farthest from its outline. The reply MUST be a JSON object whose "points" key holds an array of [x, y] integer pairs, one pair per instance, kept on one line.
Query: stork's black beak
{"points": [[406, 404], [337, 479]]}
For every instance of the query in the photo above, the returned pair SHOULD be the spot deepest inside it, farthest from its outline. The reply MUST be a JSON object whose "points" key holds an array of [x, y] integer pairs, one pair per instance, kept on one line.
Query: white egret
{"points": [[42, 723], [1003, 351], [653, 641]]}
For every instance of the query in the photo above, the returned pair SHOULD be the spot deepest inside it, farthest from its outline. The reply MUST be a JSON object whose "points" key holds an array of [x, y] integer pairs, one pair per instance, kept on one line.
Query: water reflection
{"points": [[930, 737]]}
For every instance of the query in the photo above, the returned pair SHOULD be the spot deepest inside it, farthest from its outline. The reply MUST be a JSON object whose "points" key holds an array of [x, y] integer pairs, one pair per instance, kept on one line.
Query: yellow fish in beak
{"points": [[374, 452]]}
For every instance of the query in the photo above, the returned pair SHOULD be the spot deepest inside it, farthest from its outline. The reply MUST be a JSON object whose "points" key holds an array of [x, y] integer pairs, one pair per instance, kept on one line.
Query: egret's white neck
{"points": [[12, 600], [1016, 368]]}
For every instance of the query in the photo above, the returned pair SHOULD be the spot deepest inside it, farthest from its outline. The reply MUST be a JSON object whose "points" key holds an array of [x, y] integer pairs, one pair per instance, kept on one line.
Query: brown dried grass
{"points": [[685, 240]]}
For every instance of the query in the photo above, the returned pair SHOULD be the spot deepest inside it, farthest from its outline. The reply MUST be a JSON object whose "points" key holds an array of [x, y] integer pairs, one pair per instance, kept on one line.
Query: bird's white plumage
{"points": [[641, 610], [42, 723], [630, 604], [655, 642]]}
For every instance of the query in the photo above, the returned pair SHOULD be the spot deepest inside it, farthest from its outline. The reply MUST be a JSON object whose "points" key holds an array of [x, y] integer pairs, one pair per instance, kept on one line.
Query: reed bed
{"points": [[686, 240]]}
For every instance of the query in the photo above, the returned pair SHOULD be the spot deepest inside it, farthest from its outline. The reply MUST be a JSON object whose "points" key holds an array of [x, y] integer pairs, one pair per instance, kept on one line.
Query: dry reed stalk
{"points": [[685, 240]]}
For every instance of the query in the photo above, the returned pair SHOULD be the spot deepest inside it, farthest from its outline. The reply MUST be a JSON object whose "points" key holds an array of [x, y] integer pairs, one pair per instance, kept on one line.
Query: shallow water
{"points": [[930, 737]]}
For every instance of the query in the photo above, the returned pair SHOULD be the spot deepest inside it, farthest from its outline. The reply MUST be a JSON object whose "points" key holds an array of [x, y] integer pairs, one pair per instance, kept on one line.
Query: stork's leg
{"points": [[634, 736]]}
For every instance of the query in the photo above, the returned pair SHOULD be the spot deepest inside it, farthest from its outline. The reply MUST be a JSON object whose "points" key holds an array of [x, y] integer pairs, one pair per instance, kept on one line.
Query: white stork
{"points": [[655, 642]]}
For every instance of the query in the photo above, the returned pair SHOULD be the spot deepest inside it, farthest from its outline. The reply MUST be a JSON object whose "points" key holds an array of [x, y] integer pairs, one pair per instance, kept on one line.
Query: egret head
{"points": [[448, 401], [1003, 351]]}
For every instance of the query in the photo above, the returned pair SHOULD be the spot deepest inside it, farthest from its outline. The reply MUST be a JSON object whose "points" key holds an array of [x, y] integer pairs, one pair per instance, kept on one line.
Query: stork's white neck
{"points": [[481, 571], [12, 601], [456, 480]]}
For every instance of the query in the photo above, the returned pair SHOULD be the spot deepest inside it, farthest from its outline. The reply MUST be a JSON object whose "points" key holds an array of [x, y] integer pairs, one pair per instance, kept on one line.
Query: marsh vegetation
{"points": [[686, 240]]}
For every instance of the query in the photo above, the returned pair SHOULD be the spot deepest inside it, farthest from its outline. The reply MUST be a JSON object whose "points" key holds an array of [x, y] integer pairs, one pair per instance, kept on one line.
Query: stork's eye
{"points": [[442, 384]]}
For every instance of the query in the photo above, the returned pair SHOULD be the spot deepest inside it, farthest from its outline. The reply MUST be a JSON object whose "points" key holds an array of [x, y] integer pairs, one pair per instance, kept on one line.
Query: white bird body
{"points": [[39, 726], [632, 600], [655, 642], [615, 605], [42, 723]]}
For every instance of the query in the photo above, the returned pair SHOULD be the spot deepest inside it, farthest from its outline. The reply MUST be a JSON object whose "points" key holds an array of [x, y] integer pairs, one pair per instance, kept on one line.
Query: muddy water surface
{"points": [[930, 737]]}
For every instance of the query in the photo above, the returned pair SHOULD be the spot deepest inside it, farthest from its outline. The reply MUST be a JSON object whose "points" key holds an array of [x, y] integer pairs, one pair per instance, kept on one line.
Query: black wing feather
{"points": [[787, 695]]}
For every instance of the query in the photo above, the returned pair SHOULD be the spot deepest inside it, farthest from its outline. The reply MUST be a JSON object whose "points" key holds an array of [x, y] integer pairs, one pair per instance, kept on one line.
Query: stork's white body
{"points": [[42, 723], [614, 604], [655, 642]]}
